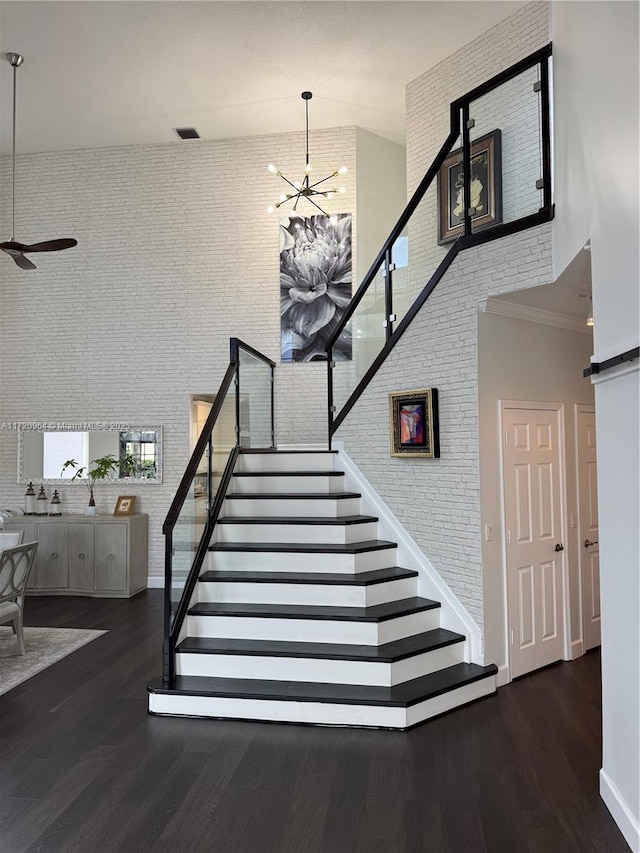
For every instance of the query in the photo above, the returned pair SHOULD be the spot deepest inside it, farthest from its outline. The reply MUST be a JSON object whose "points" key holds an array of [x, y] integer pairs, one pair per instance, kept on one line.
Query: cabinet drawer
{"points": [[111, 558]]}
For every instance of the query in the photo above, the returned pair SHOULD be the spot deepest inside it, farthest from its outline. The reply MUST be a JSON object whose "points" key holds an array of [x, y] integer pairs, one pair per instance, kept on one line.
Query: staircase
{"points": [[304, 616]]}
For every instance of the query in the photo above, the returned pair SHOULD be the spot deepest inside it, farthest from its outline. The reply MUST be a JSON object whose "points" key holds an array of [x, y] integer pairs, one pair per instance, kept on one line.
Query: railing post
{"points": [[388, 292], [329, 394], [167, 651], [273, 395], [209, 473], [545, 121], [236, 383], [466, 169]]}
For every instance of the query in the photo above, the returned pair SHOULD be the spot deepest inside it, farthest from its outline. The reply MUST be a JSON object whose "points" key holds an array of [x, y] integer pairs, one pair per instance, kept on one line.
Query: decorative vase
{"points": [[91, 510], [42, 504], [30, 500], [55, 507]]}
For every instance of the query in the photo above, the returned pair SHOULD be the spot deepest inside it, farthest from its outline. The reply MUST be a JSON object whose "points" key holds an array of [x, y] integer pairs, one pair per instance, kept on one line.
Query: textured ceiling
{"points": [[122, 73]]}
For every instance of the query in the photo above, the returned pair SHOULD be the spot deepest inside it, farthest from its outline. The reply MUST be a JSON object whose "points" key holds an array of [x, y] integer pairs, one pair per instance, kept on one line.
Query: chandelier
{"points": [[304, 188]]}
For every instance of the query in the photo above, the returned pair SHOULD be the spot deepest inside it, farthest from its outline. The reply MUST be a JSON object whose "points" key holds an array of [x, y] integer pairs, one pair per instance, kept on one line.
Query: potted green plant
{"points": [[103, 468]]}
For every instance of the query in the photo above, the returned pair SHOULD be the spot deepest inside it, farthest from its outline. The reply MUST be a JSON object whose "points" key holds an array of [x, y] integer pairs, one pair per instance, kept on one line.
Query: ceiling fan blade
{"points": [[11, 246], [51, 245], [22, 262]]}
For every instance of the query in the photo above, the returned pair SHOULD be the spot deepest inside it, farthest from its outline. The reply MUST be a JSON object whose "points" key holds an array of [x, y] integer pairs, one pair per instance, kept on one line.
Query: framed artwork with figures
{"points": [[413, 423], [486, 188]]}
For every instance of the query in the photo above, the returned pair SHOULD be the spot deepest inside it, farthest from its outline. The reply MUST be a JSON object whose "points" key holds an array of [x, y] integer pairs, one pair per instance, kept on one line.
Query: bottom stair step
{"points": [[397, 707]]}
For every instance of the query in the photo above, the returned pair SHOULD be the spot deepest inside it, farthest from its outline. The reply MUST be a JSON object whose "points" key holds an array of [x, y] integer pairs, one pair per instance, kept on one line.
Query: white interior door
{"points": [[588, 507], [533, 528]]}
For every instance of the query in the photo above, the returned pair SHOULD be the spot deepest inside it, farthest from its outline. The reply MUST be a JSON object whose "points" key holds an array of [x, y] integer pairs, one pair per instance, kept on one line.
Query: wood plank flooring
{"points": [[85, 769]]}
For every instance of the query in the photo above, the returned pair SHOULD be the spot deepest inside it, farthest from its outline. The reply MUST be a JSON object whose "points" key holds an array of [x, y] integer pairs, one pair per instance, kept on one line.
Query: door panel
{"points": [[533, 524], [588, 506]]}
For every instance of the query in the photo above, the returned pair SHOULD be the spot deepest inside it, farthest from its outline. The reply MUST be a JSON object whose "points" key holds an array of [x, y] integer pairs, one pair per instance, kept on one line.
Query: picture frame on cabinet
{"points": [[125, 505], [486, 188], [413, 423]]}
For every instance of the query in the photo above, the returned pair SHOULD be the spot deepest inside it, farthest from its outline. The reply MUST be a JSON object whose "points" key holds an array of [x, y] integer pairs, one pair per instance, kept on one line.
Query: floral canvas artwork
{"points": [[315, 286]]}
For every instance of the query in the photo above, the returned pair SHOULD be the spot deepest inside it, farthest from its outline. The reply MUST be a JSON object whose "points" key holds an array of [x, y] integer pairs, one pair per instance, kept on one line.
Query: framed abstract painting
{"points": [[413, 423]]}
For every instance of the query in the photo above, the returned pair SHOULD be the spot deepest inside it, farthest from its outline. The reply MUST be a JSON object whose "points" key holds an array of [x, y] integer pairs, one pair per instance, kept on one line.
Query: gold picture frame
{"points": [[413, 423], [125, 505], [486, 188]]}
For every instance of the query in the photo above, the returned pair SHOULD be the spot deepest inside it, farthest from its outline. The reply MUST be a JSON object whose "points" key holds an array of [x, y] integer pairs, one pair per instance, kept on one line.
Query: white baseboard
{"points": [[577, 649], [454, 615], [155, 582], [620, 811], [504, 676]]}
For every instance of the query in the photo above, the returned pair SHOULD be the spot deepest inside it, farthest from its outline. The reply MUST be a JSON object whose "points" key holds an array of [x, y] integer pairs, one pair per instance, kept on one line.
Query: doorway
{"points": [[532, 464], [587, 473]]}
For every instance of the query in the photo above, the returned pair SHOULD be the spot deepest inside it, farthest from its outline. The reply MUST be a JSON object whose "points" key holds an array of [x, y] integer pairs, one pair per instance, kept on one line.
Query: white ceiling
{"points": [[122, 73]]}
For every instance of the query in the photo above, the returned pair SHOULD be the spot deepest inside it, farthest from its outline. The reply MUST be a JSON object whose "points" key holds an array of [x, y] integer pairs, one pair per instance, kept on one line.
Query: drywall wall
{"points": [[175, 254], [521, 360], [596, 58]]}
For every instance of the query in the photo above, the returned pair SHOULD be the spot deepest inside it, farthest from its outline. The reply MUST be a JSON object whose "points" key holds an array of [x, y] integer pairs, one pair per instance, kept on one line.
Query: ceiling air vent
{"points": [[187, 132]]}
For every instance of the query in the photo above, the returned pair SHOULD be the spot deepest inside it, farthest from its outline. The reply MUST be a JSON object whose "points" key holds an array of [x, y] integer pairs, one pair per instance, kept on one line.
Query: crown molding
{"points": [[533, 315]]}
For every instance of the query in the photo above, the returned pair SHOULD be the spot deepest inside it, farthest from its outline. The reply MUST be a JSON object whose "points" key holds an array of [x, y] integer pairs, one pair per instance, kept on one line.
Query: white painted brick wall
{"points": [[439, 500], [176, 254]]}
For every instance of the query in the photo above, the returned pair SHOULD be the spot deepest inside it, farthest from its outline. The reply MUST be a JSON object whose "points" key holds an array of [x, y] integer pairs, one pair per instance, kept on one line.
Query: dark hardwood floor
{"points": [[85, 769]]}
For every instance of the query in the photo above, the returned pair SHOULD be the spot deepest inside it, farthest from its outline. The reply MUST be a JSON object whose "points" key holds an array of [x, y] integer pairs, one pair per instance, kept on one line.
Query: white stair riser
{"points": [[302, 593], [291, 507], [448, 701], [312, 630], [277, 462], [318, 670], [293, 561], [281, 484], [319, 713], [303, 534]]}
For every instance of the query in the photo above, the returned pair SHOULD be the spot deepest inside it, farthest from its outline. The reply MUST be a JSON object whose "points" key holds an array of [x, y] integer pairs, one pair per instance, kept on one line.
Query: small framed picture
{"points": [[486, 188], [413, 417], [125, 505]]}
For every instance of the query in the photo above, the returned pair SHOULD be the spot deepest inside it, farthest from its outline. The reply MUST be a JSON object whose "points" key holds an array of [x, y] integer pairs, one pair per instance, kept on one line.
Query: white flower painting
{"points": [[315, 286]]}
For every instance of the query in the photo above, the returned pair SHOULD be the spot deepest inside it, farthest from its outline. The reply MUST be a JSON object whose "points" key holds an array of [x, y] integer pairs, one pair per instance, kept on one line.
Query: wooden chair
{"points": [[15, 566], [10, 538]]}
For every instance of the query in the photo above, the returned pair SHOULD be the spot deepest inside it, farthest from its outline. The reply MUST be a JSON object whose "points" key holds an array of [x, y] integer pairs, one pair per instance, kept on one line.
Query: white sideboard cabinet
{"points": [[102, 556]]}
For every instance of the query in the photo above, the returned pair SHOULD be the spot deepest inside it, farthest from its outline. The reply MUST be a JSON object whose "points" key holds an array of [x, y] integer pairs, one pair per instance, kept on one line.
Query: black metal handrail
{"points": [[459, 123], [597, 367], [173, 621]]}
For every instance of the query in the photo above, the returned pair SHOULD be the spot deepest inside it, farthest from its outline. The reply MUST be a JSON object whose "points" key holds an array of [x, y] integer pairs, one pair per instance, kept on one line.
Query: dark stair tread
{"points": [[309, 496], [401, 695], [375, 613], [328, 473], [274, 451], [343, 520], [387, 653], [325, 578], [299, 548]]}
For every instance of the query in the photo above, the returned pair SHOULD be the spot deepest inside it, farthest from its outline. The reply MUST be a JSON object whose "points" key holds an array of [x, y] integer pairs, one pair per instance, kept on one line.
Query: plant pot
{"points": [[91, 510]]}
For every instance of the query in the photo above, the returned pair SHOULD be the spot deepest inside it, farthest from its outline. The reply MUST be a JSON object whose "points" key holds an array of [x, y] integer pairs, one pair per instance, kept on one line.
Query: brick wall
{"points": [[438, 500], [176, 254]]}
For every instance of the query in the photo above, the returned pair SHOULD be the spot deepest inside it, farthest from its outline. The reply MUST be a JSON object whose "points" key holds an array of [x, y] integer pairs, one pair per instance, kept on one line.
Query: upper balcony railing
{"points": [[240, 417], [491, 178]]}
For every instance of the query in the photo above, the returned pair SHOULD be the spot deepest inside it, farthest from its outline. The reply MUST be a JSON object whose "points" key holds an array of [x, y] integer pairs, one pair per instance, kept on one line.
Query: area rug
{"points": [[43, 647]]}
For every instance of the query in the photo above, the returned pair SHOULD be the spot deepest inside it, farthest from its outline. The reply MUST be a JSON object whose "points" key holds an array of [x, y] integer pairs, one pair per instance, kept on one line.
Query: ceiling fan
{"points": [[18, 250]]}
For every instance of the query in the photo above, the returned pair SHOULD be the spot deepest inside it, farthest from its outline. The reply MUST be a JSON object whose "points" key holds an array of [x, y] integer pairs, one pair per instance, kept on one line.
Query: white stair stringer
{"points": [[304, 615]]}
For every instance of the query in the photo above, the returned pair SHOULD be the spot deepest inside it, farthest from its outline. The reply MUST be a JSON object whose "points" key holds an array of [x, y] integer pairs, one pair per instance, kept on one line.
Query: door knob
{"points": [[559, 547], [588, 543]]}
